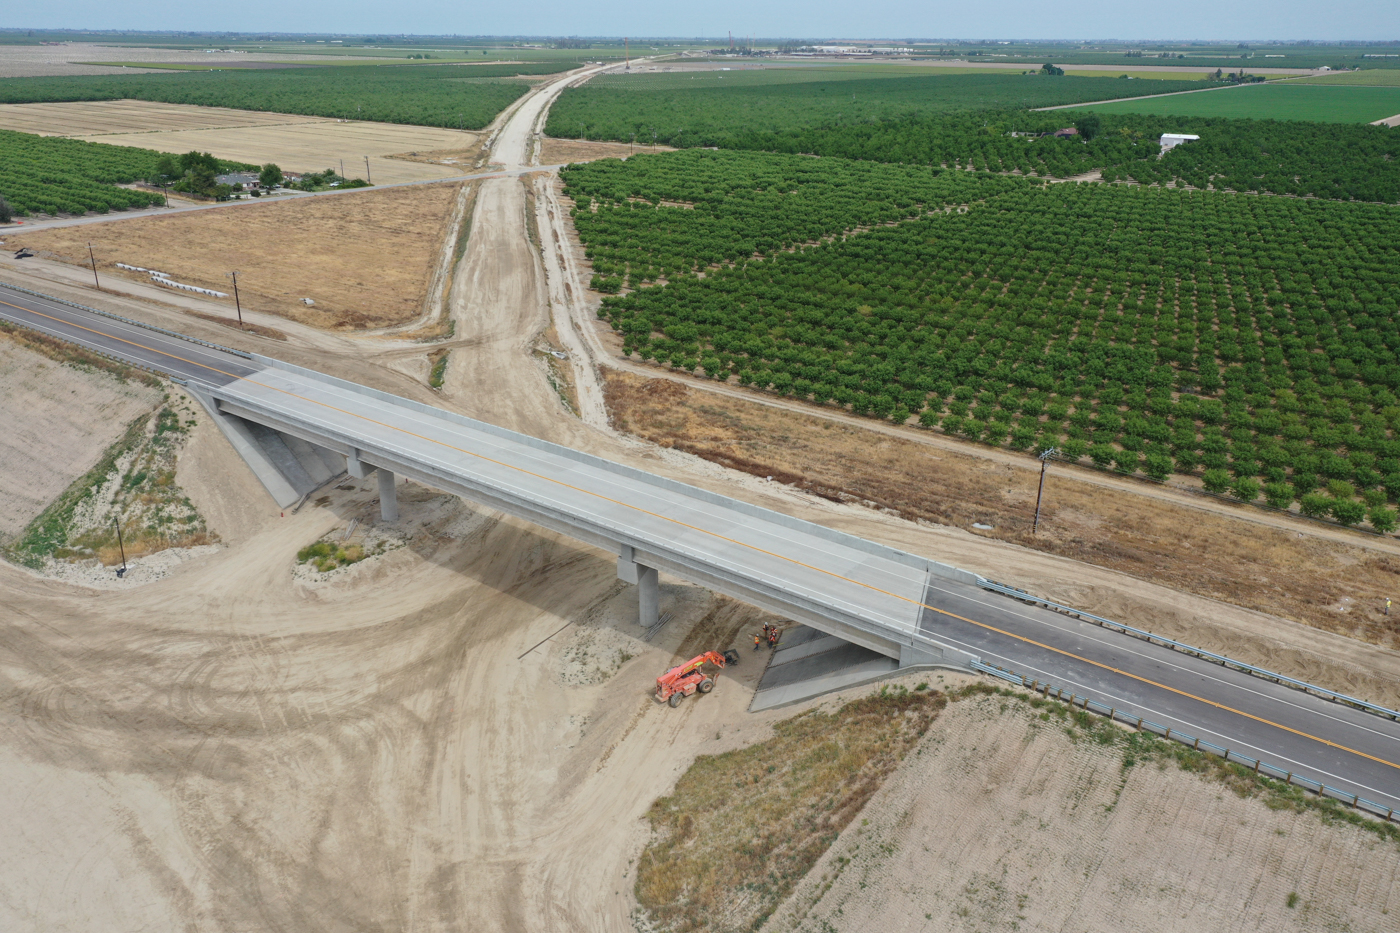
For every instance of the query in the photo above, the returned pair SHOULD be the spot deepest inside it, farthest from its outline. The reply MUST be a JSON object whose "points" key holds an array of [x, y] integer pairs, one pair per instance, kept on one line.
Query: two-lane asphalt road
{"points": [[1328, 742]]}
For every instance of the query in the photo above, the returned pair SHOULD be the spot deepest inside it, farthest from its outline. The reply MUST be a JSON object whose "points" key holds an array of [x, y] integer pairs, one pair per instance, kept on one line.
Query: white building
{"points": [[1172, 140]]}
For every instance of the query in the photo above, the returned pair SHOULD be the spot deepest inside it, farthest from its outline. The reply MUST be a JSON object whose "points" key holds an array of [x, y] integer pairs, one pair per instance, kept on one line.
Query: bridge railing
{"points": [[1257, 765]]}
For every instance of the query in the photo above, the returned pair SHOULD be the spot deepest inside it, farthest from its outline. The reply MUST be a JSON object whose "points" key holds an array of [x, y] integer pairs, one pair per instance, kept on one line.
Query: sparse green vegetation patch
{"points": [[742, 828], [133, 485], [326, 555]]}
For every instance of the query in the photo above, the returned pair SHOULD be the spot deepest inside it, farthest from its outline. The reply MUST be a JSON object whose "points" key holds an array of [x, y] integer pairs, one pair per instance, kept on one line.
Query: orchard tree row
{"points": [[425, 95], [1250, 341], [658, 216], [51, 174], [709, 114], [1334, 161]]}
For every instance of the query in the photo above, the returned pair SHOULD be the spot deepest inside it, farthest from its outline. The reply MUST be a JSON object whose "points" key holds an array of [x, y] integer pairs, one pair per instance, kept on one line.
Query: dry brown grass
{"points": [[556, 151], [461, 158], [365, 259], [1326, 584], [741, 829]]}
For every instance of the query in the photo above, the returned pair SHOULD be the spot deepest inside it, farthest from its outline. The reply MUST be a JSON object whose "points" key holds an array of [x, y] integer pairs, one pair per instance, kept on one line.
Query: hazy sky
{"points": [[1003, 19]]}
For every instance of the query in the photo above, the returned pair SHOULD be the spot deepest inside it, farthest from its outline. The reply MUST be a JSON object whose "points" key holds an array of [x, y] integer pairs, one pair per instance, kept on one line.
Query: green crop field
{"points": [[1278, 101], [1252, 338], [714, 109], [50, 174], [1369, 77], [425, 95]]}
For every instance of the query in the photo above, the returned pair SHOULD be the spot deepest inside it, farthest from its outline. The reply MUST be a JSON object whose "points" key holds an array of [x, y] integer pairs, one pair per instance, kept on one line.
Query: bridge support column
{"points": [[388, 496], [647, 582], [648, 596]]}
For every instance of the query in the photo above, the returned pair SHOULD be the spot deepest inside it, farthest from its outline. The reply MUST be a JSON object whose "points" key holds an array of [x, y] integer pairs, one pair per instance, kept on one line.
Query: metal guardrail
{"points": [[1192, 650], [133, 323], [1258, 766]]}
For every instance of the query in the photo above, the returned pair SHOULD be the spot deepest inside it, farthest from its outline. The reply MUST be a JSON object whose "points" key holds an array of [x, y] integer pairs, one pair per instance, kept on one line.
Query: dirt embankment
{"points": [[365, 260], [1000, 820], [1332, 586], [71, 414]]}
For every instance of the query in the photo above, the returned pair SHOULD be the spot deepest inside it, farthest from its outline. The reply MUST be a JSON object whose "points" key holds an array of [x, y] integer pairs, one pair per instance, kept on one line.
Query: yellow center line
{"points": [[716, 535]]}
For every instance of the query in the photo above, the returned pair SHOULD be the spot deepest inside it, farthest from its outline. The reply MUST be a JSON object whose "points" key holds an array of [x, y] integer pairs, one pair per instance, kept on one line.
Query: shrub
{"points": [[1216, 480]]}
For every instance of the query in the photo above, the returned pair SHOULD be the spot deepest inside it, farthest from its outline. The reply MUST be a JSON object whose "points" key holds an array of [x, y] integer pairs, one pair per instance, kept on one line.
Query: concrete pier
{"points": [[648, 596], [388, 496]]}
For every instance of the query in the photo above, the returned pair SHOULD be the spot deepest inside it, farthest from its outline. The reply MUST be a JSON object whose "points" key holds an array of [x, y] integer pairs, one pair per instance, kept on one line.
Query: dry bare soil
{"points": [[1333, 586], [1006, 820], [296, 143], [557, 151], [71, 415], [366, 259]]}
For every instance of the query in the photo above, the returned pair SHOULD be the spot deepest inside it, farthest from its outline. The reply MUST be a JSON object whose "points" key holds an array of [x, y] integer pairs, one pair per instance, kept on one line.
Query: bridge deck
{"points": [[870, 582]]}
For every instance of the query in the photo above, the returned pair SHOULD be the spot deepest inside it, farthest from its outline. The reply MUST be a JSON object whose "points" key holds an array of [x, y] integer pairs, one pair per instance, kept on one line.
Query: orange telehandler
{"points": [[680, 682]]}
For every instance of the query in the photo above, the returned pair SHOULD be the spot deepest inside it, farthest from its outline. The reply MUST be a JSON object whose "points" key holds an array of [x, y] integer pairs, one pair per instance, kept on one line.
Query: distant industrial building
{"points": [[1172, 140]]}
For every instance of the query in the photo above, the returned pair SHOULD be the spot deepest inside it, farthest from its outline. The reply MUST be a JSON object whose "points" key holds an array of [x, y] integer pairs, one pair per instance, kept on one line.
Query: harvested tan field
{"points": [[556, 151], [312, 145], [78, 58], [1000, 820], [366, 259], [72, 414], [1329, 585], [94, 118]]}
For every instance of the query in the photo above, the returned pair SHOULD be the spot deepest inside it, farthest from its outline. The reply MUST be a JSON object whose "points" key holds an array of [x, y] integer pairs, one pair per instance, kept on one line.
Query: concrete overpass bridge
{"points": [[297, 428]]}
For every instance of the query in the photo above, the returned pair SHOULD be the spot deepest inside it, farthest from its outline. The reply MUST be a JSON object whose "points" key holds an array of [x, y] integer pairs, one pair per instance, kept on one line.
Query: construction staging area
{"points": [[372, 703]]}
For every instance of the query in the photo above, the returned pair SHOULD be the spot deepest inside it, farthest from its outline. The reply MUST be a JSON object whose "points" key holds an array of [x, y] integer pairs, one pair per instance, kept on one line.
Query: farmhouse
{"points": [[1172, 140]]}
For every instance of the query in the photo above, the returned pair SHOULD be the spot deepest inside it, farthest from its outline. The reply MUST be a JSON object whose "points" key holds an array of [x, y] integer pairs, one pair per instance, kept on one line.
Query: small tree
{"points": [[1279, 495], [270, 176], [1089, 126], [1216, 480], [1382, 519], [1314, 504], [1348, 511], [7, 213], [1245, 489]]}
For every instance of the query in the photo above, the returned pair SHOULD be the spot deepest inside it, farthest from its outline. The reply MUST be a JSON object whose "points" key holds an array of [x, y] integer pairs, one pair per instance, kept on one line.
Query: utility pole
{"points": [[236, 303], [367, 178], [94, 267], [342, 168], [1044, 459], [122, 547]]}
